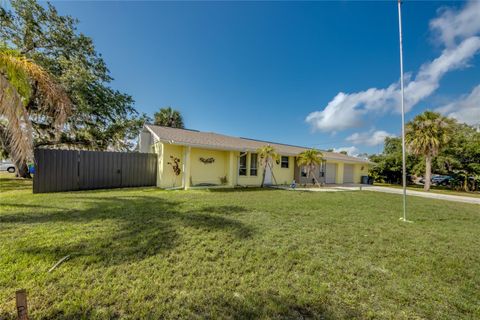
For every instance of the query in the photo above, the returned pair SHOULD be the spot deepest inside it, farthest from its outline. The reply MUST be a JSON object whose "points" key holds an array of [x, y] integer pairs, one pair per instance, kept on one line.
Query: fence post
{"points": [[22, 311]]}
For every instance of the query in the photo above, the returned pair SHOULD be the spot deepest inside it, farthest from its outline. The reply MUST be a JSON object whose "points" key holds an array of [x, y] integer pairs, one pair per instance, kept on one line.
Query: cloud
{"points": [[370, 138], [466, 109], [454, 24], [351, 151], [346, 110]]}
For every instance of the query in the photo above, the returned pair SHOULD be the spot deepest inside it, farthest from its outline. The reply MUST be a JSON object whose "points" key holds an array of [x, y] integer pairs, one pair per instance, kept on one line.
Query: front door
{"points": [[268, 175]]}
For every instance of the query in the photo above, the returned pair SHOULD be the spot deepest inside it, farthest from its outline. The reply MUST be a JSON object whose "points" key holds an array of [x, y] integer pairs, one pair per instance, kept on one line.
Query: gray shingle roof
{"points": [[212, 140]]}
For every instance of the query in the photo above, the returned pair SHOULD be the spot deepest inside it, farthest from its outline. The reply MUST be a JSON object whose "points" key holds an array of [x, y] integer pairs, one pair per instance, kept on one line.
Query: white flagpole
{"points": [[404, 170]]}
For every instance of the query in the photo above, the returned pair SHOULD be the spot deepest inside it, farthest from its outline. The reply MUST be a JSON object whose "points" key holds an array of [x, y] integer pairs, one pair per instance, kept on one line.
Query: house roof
{"points": [[210, 140]]}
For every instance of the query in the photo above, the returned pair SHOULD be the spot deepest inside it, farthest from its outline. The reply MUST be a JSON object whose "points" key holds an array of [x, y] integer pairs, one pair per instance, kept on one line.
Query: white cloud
{"points": [[346, 110], [351, 151], [370, 138], [454, 24], [466, 109]]}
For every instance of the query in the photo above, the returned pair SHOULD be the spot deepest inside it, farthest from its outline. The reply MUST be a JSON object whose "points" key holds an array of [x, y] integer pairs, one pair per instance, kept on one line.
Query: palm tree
{"points": [[168, 117], [425, 135], [310, 159], [268, 155], [22, 81]]}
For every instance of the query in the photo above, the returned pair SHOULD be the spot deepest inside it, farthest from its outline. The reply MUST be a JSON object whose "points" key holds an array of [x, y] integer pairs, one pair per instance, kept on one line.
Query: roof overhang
{"points": [[156, 139]]}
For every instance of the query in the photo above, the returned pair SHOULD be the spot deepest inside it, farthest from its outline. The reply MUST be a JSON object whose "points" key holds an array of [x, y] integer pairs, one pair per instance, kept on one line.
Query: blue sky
{"points": [[260, 69]]}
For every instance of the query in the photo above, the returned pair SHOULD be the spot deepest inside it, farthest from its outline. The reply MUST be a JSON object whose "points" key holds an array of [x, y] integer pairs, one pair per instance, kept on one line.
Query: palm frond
{"points": [[268, 153], [18, 77], [18, 126], [310, 157], [54, 101]]}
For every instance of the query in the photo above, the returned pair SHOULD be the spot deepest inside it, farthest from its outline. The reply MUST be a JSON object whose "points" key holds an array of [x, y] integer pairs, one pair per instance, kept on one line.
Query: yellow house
{"points": [[190, 158]]}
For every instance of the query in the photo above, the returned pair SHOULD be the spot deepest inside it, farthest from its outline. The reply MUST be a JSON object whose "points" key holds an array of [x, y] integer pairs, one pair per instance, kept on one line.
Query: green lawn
{"points": [[147, 253]]}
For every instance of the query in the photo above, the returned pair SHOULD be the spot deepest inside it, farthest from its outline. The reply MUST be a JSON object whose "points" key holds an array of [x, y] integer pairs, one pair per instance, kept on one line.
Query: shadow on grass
{"points": [[239, 189], [256, 305], [8, 182], [142, 226], [223, 209]]}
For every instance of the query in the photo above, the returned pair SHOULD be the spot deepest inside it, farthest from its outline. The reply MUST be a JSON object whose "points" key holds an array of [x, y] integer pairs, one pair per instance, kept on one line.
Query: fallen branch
{"points": [[58, 263]]}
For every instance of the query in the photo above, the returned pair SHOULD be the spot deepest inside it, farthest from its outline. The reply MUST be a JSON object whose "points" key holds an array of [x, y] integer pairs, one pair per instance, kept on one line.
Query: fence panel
{"points": [[100, 170], [69, 170], [55, 170]]}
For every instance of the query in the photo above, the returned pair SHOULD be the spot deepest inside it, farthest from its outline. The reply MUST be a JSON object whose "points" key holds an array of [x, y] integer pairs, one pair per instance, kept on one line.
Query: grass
{"points": [[433, 189], [147, 253]]}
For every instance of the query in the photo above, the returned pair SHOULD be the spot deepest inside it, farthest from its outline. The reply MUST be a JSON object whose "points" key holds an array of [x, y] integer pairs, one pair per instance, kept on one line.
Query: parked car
{"points": [[441, 180], [7, 165], [438, 180]]}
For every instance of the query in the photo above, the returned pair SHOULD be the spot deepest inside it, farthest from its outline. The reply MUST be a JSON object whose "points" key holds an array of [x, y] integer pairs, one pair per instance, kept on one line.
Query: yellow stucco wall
{"points": [[226, 165], [211, 172], [247, 180], [284, 175], [166, 175], [358, 172], [280, 175]]}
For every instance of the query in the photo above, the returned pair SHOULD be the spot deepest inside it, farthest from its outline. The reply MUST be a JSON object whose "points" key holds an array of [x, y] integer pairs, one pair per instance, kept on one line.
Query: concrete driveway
{"points": [[423, 194], [357, 187]]}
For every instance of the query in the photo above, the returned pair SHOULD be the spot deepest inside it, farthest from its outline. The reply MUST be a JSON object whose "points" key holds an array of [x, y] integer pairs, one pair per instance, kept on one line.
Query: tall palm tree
{"points": [[21, 82], [425, 135], [310, 159], [168, 117], [268, 155]]}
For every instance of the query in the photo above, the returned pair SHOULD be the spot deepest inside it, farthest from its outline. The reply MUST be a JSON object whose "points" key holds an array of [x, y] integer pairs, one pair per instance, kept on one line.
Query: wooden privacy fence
{"points": [[67, 170]]}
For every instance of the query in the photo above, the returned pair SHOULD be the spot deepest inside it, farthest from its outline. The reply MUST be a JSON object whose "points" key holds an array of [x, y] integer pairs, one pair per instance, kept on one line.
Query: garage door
{"points": [[331, 172], [348, 173]]}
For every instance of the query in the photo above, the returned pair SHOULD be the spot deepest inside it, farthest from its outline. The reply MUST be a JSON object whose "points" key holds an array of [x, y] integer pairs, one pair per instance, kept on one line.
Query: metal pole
{"points": [[404, 170]]}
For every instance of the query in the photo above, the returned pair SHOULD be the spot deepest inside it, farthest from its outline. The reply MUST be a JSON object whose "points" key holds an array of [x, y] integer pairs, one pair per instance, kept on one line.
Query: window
{"points": [[303, 172], [242, 165], [284, 162], [253, 164]]}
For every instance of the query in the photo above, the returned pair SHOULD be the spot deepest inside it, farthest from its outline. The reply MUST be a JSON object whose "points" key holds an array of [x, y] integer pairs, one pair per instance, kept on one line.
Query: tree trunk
{"points": [[315, 178], [22, 170], [263, 174], [428, 172]]}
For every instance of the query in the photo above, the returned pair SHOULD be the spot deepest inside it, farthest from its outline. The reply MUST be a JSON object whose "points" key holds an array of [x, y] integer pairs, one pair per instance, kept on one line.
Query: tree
{"points": [[102, 118], [21, 81], [425, 135], [388, 164], [460, 158], [310, 159], [268, 155], [168, 117]]}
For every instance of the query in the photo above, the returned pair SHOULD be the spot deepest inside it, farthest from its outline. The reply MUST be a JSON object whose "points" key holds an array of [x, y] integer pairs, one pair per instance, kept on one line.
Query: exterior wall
{"points": [[280, 175], [248, 180], [166, 176], [284, 175], [226, 165], [211, 172], [145, 141], [359, 170], [308, 180], [339, 173]]}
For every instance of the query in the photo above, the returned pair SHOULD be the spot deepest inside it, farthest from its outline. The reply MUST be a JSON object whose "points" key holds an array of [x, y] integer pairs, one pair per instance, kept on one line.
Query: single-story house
{"points": [[189, 158]]}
